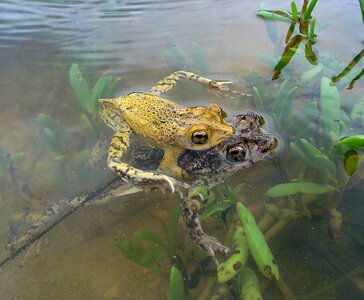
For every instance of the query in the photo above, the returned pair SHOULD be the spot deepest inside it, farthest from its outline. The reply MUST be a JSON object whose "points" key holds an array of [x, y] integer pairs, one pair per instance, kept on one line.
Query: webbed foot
{"points": [[225, 86], [222, 85], [211, 245], [164, 182]]}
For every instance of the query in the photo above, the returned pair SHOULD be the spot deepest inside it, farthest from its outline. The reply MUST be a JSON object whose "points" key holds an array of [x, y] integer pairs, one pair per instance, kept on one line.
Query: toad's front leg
{"points": [[118, 146], [206, 242]]}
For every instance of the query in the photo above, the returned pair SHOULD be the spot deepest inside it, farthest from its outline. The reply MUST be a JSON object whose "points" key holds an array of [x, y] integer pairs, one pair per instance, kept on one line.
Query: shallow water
{"points": [[141, 42]]}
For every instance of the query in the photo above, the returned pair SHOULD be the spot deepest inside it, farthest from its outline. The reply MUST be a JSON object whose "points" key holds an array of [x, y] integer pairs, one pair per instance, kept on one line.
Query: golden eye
{"points": [[236, 153], [199, 137]]}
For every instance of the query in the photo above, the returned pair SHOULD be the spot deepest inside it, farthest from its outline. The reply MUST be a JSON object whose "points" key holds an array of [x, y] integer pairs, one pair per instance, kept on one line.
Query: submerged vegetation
{"points": [[71, 160], [319, 163], [322, 154]]}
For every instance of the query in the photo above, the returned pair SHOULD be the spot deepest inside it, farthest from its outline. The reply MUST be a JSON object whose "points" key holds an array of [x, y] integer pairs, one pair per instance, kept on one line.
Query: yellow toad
{"points": [[163, 124]]}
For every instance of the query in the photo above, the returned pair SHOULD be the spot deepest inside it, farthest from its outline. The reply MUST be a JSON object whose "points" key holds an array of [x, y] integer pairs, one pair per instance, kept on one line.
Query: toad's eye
{"points": [[236, 153], [199, 137]]}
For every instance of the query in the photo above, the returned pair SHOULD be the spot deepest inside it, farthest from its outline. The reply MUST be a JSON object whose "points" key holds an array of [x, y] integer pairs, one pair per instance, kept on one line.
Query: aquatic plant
{"points": [[178, 60], [348, 69], [157, 255], [312, 186], [8, 163], [321, 63], [11, 179], [315, 140], [361, 3], [105, 87], [185, 263], [306, 33], [176, 286], [70, 161], [294, 17]]}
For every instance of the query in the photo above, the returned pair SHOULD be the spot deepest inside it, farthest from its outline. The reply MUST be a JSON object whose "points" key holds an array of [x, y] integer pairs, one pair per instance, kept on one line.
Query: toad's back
{"points": [[161, 120], [151, 116]]}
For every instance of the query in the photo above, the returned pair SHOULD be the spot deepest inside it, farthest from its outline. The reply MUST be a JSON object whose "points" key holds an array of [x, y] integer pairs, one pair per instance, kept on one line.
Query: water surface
{"points": [[141, 42]]}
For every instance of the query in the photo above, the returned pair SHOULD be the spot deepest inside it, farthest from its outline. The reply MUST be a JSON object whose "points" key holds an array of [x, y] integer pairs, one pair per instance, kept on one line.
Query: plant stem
{"points": [[361, 2], [309, 10], [312, 31], [209, 285], [294, 11]]}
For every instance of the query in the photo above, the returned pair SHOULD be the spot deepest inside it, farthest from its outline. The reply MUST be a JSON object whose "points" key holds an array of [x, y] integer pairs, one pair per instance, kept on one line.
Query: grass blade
{"points": [[80, 87], [176, 286], [330, 109]]}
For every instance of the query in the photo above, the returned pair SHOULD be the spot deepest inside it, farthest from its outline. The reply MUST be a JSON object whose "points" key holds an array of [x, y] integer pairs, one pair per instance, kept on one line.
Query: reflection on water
{"points": [[143, 41]]}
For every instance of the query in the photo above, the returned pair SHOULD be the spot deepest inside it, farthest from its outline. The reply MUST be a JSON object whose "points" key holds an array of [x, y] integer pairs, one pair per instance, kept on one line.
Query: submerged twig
{"points": [[55, 215]]}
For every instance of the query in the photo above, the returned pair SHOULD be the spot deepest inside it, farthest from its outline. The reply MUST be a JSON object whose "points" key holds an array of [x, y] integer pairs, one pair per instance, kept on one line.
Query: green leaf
{"points": [[298, 151], [268, 60], [354, 142], [351, 162], [287, 104], [294, 11], [309, 10], [198, 60], [81, 89], [287, 55], [331, 62], [139, 255], [45, 121], [274, 15], [89, 131], [311, 73], [290, 32], [49, 138], [330, 109], [174, 54], [62, 138], [113, 88], [312, 34], [176, 286], [61, 159], [311, 149], [208, 196], [292, 188], [324, 162], [214, 209], [79, 163], [309, 54], [277, 105], [59, 177], [17, 158], [258, 99], [151, 237], [231, 194], [99, 90], [357, 113], [272, 31]]}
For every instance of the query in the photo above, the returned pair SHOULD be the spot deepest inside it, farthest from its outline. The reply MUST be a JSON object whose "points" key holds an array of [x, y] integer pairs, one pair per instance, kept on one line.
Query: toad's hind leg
{"points": [[170, 81], [119, 144]]}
